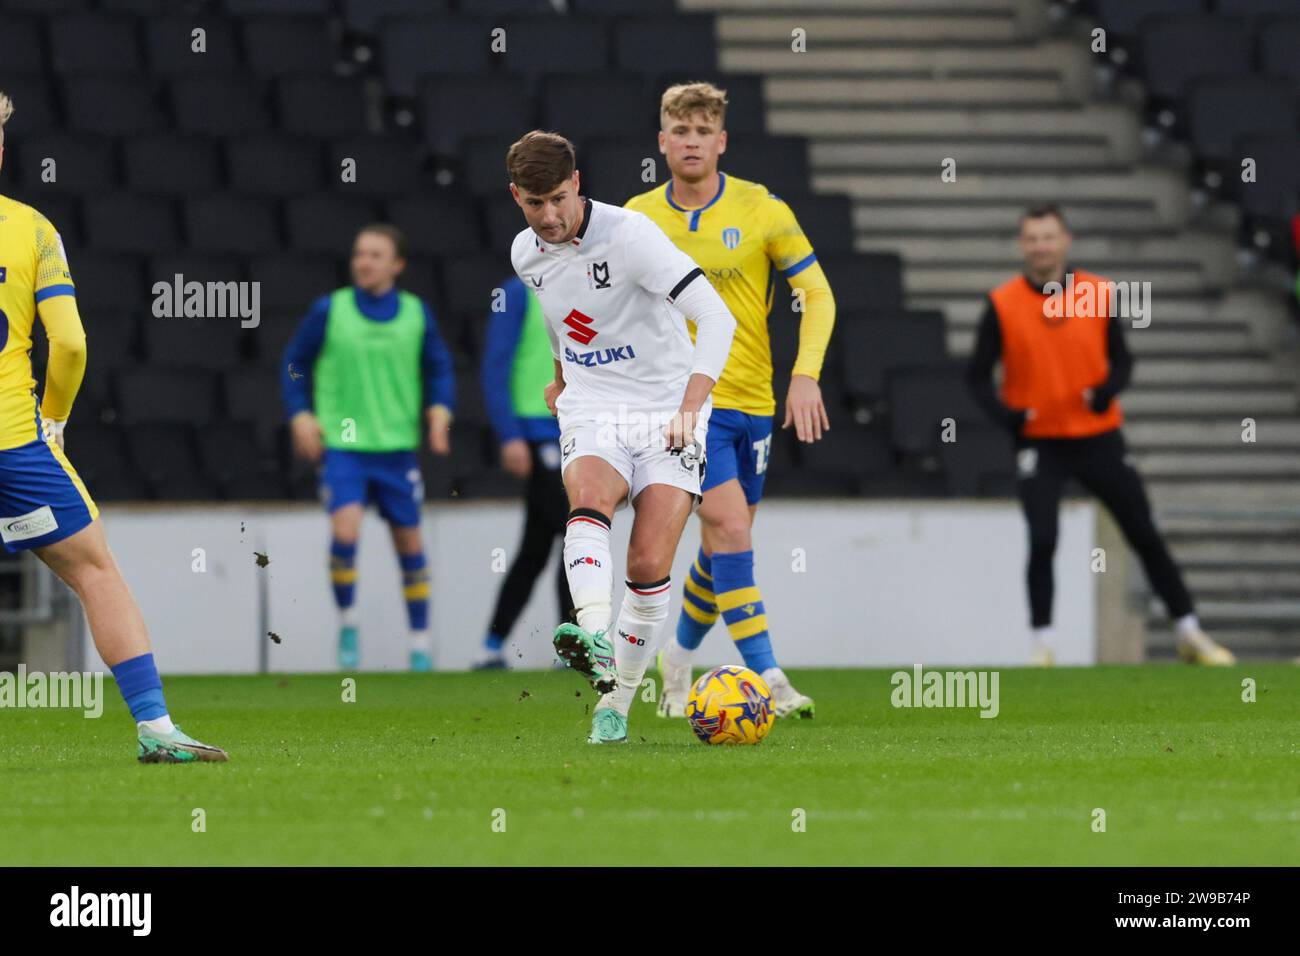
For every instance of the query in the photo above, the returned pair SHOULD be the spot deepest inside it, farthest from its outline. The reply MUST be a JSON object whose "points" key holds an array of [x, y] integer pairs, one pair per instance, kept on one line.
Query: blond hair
{"points": [[683, 100], [6, 108]]}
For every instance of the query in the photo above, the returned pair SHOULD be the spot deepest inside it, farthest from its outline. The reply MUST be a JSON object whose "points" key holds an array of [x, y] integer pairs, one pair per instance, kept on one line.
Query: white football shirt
{"points": [[607, 298]]}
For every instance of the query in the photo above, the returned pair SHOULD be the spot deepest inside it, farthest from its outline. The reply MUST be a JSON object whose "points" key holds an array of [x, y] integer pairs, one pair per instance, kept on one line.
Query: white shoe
{"points": [[787, 701], [1195, 647], [676, 687], [1040, 655]]}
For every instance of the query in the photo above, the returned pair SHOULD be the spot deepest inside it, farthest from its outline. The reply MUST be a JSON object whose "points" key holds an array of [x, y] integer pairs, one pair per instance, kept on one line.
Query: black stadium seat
{"points": [[176, 395], [234, 456], [21, 49], [385, 166], [413, 46], [1275, 191], [277, 166], [281, 46], [327, 223], [35, 105], [920, 399], [980, 460], [683, 41], [170, 44], [102, 463], [84, 44], [321, 106], [119, 105], [365, 16], [123, 222], [778, 162], [826, 219], [107, 281], [1124, 17], [871, 281], [1279, 49], [1220, 110], [613, 170], [261, 8], [584, 107], [165, 456], [292, 281], [210, 343], [873, 345], [83, 163], [440, 222], [538, 45], [168, 164], [222, 223], [483, 164], [453, 110], [220, 105], [1178, 49]]}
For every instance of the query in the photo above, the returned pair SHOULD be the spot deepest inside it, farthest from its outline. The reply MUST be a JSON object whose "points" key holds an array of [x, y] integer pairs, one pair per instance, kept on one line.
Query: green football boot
{"points": [[591, 655], [349, 649], [175, 747], [608, 726]]}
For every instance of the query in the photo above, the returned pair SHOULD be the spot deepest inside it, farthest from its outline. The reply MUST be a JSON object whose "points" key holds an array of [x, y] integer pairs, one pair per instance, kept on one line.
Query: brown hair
{"points": [[1042, 211], [6, 108], [539, 161], [396, 235], [682, 100]]}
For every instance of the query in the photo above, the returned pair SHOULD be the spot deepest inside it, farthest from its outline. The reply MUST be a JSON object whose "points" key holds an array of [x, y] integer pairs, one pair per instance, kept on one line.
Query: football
{"points": [[730, 705]]}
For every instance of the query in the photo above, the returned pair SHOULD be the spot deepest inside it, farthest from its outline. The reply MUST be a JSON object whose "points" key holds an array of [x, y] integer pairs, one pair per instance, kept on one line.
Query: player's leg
{"points": [[661, 513], [398, 491], [594, 488], [1106, 469], [1040, 481], [544, 515], [343, 490]]}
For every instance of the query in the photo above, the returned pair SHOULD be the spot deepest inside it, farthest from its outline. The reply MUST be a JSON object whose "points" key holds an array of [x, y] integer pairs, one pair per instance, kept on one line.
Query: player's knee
{"points": [[591, 496], [646, 565], [730, 533]]}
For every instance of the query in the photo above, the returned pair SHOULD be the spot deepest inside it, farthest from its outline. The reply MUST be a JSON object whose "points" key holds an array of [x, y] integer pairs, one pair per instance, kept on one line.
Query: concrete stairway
{"points": [[887, 90]]}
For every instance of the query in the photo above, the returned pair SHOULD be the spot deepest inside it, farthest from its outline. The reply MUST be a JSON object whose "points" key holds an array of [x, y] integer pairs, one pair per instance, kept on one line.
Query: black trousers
{"points": [[1100, 463], [545, 514]]}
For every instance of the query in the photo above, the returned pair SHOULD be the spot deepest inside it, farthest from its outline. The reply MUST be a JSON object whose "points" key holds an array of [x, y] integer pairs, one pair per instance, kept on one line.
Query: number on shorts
{"points": [[761, 450]]}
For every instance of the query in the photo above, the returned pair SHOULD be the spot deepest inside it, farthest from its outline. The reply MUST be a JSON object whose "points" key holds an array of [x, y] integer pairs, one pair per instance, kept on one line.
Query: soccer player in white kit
{"points": [[632, 396]]}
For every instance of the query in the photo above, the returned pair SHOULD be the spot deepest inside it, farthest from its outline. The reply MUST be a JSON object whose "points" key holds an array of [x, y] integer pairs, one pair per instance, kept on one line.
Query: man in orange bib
{"points": [[1064, 361]]}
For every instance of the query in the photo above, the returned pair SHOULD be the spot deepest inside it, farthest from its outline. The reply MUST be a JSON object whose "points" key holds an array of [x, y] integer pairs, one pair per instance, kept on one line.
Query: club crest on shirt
{"points": [[731, 237], [598, 275]]}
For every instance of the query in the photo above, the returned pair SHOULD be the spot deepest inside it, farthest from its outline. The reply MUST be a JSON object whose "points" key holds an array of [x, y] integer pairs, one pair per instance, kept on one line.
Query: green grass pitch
{"points": [[416, 769]]}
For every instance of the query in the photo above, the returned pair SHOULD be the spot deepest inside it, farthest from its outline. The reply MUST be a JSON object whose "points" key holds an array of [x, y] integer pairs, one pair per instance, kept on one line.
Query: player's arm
{"points": [[56, 304], [439, 376], [792, 254], [296, 381], [1120, 360], [979, 373]]}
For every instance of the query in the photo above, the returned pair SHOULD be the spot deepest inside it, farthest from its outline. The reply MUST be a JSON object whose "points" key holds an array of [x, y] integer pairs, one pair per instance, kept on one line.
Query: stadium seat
{"points": [[285, 45], [170, 165], [865, 280], [228, 224], [35, 105], [251, 393], [872, 345], [123, 222], [165, 457], [119, 106], [107, 281], [322, 106], [538, 45], [21, 47], [602, 104], [647, 45], [195, 267], [235, 458], [622, 8], [483, 164], [1279, 49], [386, 166], [453, 110], [170, 44], [979, 460], [920, 399], [778, 162], [86, 44], [274, 166], [412, 46], [1275, 193], [497, 8], [440, 222], [292, 281], [364, 16], [220, 105], [504, 222], [327, 223], [210, 343], [98, 452], [1253, 10], [175, 395], [1123, 17], [258, 8], [1220, 110], [83, 163], [613, 169], [1179, 48], [826, 219], [468, 282], [849, 454]]}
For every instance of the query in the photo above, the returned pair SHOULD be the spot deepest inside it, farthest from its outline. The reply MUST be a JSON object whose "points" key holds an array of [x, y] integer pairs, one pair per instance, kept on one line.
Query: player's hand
{"points": [[680, 430], [440, 430], [552, 393], [516, 458], [805, 410], [53, 431], [305, 432]]}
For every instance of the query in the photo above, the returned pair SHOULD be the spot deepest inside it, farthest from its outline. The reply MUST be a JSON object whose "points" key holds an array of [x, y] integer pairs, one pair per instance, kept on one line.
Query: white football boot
{"points": [[1195, 647], [786, 701], [675, 681]]}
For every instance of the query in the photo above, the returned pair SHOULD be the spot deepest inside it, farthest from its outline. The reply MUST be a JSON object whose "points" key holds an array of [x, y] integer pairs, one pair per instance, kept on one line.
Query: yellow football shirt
{"points": [[33, 269], [742, 238]]}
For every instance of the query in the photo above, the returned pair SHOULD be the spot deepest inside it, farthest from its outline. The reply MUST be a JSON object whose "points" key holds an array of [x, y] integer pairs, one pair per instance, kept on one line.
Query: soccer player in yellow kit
{"points": [[742, 236], [44, 506]]}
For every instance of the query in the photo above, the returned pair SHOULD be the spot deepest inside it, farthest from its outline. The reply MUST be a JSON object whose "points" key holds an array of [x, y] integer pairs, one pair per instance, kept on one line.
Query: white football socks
{"points": [[420, 641], [676, 655], [1187, 625], [642, 617], [589, 569], [348, 616], [159, 725], [1045, 635]]}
